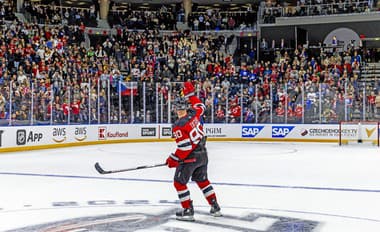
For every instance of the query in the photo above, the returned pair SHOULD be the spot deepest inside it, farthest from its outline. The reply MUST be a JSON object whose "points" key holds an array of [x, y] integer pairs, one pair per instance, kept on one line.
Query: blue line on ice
{"points": [[214, 183]]}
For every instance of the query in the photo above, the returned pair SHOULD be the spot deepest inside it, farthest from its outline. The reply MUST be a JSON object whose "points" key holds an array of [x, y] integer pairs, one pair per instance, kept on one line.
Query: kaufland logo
{"points": [[250, 131], [281, 131], [102, 133]]}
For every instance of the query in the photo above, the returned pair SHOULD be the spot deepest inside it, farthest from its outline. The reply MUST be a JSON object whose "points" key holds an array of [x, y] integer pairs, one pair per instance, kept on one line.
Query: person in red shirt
{"points": [[75, 110], [235, 112], [280, 112], [299, 112], [290, 114], [190, 158], [220, 115], [371, 102], [65, 109], [133, 49]]}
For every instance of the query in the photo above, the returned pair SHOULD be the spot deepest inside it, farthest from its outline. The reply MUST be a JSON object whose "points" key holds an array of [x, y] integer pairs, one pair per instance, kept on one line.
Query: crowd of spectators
{"points": [[274, 9], [7, 10], [48, 75], [129, 16], [216, 20], [54, 14], [65, 81], [162, 18], [166, 17]]}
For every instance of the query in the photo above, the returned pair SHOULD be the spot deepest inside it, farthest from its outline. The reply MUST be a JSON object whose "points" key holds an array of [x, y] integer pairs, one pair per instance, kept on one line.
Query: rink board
{"points": [[39, 137]]}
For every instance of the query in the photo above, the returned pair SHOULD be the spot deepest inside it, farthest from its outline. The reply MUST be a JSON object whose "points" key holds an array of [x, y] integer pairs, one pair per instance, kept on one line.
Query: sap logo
{"points": [[281, 131], [250, 131]]}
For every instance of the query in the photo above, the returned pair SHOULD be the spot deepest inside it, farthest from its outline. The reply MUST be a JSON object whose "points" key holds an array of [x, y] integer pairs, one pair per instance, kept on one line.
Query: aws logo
{"points": [[59, 135], [80, 134]]}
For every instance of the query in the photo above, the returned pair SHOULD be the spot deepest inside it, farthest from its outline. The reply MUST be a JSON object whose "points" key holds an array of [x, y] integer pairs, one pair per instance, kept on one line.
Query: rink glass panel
{"points": [[111, 101]]}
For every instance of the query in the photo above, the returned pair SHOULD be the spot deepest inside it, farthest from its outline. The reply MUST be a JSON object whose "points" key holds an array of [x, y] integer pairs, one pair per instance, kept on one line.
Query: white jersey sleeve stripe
{"points": [[183, 142], [187, 148], [200, 106]]}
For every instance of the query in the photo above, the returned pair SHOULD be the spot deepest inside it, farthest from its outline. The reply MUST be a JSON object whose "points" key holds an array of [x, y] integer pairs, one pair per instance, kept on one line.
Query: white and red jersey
{"points": [[236, 111], [65, 108], [188, 130], [75, 107]]}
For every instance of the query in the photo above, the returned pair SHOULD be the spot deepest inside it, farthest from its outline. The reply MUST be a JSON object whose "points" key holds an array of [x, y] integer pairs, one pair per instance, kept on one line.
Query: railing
{"points": [[114, 102]]}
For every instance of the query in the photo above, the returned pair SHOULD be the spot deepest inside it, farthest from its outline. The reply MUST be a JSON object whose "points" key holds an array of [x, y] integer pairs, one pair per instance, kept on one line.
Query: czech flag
{"points": [[127, 88]]}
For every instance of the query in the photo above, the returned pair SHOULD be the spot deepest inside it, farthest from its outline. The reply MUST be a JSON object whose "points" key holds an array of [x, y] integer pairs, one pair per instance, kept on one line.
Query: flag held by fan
{"points": [[127, 88]]}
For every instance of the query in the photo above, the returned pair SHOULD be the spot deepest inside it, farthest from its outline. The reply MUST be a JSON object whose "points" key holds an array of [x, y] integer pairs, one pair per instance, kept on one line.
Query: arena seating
{"points": [[56, 69]]}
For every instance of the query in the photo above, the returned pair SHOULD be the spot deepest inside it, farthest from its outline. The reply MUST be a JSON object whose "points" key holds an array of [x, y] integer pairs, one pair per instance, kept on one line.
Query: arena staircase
{"points": [[370, 79], [370, 72], [21, 17], [87, 41], [102, 23], [182, 26], [233, 46]]}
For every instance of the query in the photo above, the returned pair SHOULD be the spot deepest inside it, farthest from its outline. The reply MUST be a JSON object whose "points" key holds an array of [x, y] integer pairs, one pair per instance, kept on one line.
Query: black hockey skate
{"points": [[215, 208], [186, 214]]}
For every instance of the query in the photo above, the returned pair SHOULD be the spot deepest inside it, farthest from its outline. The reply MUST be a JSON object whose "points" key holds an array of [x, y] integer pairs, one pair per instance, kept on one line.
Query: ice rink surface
{"points": [[260, 186]]}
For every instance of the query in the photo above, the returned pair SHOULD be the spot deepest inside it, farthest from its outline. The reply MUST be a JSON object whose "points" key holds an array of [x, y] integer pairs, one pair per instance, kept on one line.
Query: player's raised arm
{"points": [[189, 92]]}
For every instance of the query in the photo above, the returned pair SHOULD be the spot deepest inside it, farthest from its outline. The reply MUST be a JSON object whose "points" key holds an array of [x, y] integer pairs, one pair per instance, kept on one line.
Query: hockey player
{"points": [[191, 146]]}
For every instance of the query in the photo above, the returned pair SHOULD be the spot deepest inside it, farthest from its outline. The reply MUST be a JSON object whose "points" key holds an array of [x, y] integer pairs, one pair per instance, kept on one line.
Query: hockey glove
{"points": [[188, 89], [172, 161]]}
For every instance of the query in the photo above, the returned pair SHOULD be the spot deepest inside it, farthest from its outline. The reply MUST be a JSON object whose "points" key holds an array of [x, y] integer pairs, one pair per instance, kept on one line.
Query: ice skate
{"points": [[215, 209], [185, 214]]}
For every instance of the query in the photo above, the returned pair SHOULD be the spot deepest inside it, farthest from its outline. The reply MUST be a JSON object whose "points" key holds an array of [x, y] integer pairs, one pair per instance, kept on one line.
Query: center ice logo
{"points": [[163, 220], [250, 131], [281, 131]]}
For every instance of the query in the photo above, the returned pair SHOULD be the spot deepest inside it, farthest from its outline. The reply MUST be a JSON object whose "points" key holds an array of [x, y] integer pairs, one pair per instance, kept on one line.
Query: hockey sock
{"points": [[183, 194], [208, 190]]}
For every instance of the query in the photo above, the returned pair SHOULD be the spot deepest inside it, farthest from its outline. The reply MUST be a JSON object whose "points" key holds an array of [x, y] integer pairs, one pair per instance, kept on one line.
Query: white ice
{"points": [[337, 187]]}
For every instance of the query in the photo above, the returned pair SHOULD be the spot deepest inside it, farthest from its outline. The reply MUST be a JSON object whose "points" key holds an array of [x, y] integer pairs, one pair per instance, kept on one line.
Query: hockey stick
{"points": [[102, 171]]}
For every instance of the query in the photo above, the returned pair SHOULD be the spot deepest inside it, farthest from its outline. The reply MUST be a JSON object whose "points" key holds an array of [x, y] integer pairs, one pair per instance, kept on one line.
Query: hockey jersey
{"points": [[188, 130]]}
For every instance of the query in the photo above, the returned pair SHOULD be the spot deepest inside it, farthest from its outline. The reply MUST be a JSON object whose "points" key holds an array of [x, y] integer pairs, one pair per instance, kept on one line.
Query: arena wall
{"points": [[42, 137]]}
